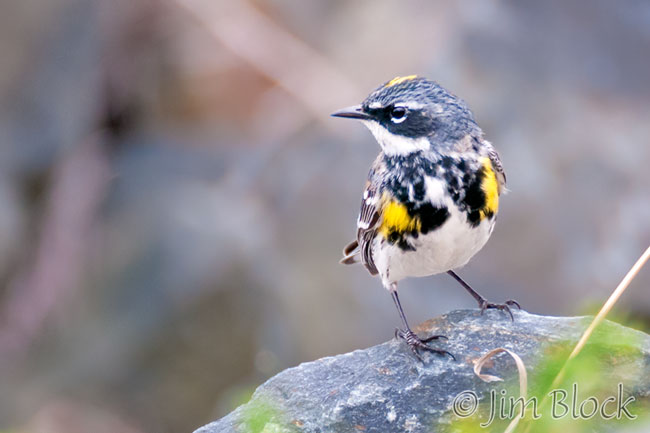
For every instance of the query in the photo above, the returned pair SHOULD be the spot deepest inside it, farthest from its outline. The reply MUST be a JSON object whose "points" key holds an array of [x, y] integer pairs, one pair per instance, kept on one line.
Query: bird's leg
{"points": [[482, 302], [409, 336]]}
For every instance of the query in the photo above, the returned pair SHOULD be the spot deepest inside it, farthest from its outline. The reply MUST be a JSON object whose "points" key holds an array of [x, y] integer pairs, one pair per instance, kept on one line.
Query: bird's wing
{"points": [[367, 225], [496, 164]]}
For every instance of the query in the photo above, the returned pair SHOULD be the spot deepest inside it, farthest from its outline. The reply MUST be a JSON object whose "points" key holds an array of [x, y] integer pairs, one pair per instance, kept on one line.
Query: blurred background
{"points": [[174, 196]]}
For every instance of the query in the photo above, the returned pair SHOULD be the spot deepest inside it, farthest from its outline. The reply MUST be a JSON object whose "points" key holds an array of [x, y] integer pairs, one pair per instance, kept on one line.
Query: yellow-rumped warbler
{"points": [[432, 195]]}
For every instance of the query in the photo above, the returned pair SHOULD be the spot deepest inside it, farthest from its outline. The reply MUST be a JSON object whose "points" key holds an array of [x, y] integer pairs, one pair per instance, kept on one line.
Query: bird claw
{"points": [[434, 337], [414, 342], [502, 307], [513, 303]]}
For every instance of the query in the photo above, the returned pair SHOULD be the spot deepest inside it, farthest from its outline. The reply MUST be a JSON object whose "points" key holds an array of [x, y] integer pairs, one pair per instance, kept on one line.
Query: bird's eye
{"points": [[398, 114]]}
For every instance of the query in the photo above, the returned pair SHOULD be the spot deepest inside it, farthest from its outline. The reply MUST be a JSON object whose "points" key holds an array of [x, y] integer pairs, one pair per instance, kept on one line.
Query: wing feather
{"points": [[496, 164], [367, 226]]}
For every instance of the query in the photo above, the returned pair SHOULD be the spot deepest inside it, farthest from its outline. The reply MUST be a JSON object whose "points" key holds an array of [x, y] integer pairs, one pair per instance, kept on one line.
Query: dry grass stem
{"points": [[523, 379]]}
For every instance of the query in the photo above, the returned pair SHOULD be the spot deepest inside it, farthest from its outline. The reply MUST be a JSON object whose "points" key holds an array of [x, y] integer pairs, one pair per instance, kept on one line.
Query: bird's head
{"points": [[408, 114]]}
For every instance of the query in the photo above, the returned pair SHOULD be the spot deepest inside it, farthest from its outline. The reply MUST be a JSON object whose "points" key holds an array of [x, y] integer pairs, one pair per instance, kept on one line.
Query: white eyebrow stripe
{"points": [[413, 105]]}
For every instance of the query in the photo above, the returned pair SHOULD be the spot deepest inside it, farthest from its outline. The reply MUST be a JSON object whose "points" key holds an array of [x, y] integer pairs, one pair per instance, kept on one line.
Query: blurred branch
{"points": [[298, 69], [78, 186]]}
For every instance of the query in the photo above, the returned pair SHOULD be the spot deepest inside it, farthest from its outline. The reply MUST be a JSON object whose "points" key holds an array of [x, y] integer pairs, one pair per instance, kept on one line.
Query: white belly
{"points": [[449, 247]]}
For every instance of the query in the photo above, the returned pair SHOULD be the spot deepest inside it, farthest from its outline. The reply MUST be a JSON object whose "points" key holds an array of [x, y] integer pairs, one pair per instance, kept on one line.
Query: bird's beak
{"points": [[355, 112]]}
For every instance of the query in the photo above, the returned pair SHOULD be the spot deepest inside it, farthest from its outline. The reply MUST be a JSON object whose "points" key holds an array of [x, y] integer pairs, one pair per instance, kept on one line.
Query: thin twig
{"points": [[614, 297], [606, 308]]}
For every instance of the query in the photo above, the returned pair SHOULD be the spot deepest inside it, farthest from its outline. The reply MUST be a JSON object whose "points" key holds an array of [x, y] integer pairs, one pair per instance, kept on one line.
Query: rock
{"points": [[386, 389]]}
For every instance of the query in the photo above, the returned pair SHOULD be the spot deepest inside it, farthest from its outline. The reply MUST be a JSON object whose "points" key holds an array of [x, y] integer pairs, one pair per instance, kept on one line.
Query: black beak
{"points": [[355, 112]]}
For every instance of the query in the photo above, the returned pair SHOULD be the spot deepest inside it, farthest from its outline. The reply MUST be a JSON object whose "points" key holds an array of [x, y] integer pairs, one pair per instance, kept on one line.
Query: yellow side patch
{"points": [[490, 187], [396, 218], [398, 80]]}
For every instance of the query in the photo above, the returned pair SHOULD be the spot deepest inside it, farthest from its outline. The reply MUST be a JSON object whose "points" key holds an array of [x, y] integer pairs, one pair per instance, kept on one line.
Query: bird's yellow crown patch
{"points": [[490, 187], [396, 218], [398, 80]]}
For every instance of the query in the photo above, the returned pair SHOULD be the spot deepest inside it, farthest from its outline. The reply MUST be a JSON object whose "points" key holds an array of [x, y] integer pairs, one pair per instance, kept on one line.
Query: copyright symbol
{"points": [[465, 404]]}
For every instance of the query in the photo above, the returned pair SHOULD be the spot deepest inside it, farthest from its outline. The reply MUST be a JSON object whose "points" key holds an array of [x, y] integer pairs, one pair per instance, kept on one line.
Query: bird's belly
{"points": [[450, 246]]}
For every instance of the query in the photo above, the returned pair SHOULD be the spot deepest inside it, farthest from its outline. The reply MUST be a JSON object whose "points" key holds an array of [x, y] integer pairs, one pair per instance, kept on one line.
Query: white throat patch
{"points": [[393, 144]]}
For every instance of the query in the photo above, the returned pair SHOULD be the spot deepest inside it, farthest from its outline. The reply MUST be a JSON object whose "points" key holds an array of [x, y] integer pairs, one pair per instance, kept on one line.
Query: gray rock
{"points": [[386, 389]]}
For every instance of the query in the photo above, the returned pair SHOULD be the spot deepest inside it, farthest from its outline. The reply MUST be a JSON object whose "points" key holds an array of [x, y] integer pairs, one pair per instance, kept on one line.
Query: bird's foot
{"points": [[484, 305], [415, 343]]}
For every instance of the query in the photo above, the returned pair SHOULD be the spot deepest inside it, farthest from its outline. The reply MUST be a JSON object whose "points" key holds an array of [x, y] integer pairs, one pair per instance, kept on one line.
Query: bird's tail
{"points": [[351, 253]]}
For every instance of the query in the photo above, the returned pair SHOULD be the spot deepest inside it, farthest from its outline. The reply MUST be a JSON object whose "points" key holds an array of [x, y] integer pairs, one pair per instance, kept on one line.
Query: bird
{"points": [[431, 199]]}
